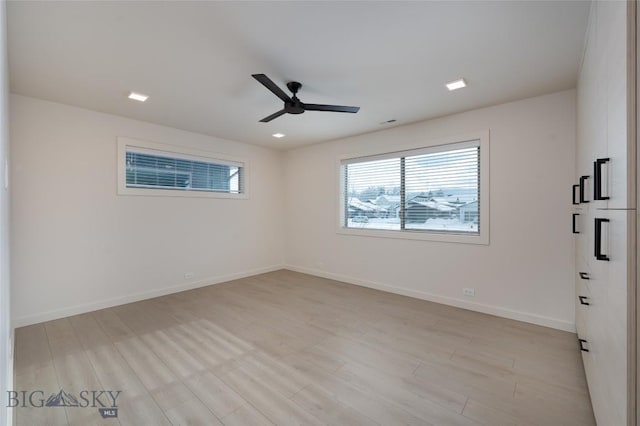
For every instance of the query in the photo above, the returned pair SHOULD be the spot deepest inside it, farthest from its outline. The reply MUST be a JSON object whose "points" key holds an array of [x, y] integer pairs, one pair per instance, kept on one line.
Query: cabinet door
{"points": [[612, 33], [615, 292], [617, 143], [586, 99], [607, 320], [597, 146]]}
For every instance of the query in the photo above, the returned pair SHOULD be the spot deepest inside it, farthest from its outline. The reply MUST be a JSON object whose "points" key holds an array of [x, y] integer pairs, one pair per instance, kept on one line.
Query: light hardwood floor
{"points": [[288, 348]]}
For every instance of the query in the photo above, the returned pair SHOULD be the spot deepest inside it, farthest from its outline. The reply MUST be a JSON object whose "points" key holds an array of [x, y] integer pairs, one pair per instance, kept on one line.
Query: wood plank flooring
{"points": [[292, 349]]}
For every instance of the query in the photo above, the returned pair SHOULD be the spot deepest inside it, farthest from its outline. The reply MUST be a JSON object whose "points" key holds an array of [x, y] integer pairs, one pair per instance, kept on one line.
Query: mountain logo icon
{"points": [[61, 399]]}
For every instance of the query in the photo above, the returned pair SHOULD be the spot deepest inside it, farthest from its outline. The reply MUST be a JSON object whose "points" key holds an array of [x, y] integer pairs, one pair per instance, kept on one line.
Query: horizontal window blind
{"points": [[435, 190], [154, 169], [364, 183]]}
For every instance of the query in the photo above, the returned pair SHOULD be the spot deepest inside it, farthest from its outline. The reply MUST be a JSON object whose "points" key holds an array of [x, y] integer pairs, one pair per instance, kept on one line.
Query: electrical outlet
{"points": [[471, 292], [188, 275]]}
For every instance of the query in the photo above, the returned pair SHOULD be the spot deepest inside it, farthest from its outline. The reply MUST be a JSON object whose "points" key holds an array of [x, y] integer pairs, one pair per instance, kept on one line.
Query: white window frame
{"points": [[434, 145], [176, 152]]}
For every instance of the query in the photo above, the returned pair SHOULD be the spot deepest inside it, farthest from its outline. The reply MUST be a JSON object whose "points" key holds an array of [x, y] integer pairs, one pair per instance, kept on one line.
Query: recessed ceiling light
{"points": [[278, 135], [457, 84], [138, 96]]}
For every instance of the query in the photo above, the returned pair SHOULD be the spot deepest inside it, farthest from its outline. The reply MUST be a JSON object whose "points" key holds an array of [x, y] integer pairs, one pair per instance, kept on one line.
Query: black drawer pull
{"points": [[574, 195], [573, 223], [582, 187], [597, 177], [584, 275], [598, 239], [582, 300], [581, 342]]}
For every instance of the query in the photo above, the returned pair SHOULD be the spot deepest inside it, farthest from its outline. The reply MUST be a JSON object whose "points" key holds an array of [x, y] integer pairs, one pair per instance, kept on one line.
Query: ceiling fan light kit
{"points": [[293, 105]]}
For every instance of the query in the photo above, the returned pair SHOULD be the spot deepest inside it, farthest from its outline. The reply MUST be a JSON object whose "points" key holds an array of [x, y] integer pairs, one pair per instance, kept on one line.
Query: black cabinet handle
{"points": [[582, 300], [582, 187], [598, 239], [573, 223], [573, 195], [597, 177], [584, 275], [581, 342]]}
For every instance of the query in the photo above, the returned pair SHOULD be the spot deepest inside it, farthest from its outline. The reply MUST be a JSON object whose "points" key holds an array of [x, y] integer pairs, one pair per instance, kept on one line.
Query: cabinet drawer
{"points": [[583, 304]]}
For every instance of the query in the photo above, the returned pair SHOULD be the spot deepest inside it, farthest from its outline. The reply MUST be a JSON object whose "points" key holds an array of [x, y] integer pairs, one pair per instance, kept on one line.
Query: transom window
{"points": [[154, 171]]}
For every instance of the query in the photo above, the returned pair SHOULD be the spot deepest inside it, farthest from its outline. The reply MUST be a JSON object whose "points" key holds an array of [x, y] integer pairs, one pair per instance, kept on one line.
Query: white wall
{"points": [[6, 349], [77, 246], [526, 272]]}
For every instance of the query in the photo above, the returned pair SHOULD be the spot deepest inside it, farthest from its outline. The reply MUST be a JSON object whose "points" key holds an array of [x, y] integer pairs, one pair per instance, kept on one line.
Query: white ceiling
{"points": [[195, 60]]}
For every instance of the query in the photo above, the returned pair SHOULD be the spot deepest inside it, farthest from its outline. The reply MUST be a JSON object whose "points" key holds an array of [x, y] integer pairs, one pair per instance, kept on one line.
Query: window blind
{"points": [[435, 189], [148, 168]]}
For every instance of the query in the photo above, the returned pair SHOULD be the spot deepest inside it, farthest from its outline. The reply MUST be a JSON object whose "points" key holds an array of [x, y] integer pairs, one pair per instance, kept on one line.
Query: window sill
{"points": [[147, 192], [481, 239]]}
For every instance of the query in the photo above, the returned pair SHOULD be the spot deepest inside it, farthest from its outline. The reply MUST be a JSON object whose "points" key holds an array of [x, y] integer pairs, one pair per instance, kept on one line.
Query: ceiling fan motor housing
{"points": [[294, 107]]}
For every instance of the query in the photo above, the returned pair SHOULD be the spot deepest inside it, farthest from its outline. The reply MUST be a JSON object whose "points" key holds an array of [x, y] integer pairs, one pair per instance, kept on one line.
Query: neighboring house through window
{"points": [[431, 192]]}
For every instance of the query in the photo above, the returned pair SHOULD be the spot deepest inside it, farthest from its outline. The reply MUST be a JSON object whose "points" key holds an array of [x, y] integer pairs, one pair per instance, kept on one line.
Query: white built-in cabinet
{"points": [[604, 207]]}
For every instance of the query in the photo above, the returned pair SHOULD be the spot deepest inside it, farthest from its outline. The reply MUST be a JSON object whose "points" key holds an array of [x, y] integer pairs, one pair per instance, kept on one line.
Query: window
{"points": [[153, 169], [429, 193]]}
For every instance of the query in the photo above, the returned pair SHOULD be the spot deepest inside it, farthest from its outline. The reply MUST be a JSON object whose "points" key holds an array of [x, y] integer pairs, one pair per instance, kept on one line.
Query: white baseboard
{"points": [[108, 303], [445, 300]]}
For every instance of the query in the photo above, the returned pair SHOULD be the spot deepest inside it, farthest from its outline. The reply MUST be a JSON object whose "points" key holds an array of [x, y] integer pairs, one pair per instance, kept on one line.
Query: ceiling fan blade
{"points": [[266, 82], [332, 108], [272, 116]]}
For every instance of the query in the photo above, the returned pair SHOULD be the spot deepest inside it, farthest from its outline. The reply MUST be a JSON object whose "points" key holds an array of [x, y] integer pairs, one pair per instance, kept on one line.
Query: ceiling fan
{"points": [[293, 105]]}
